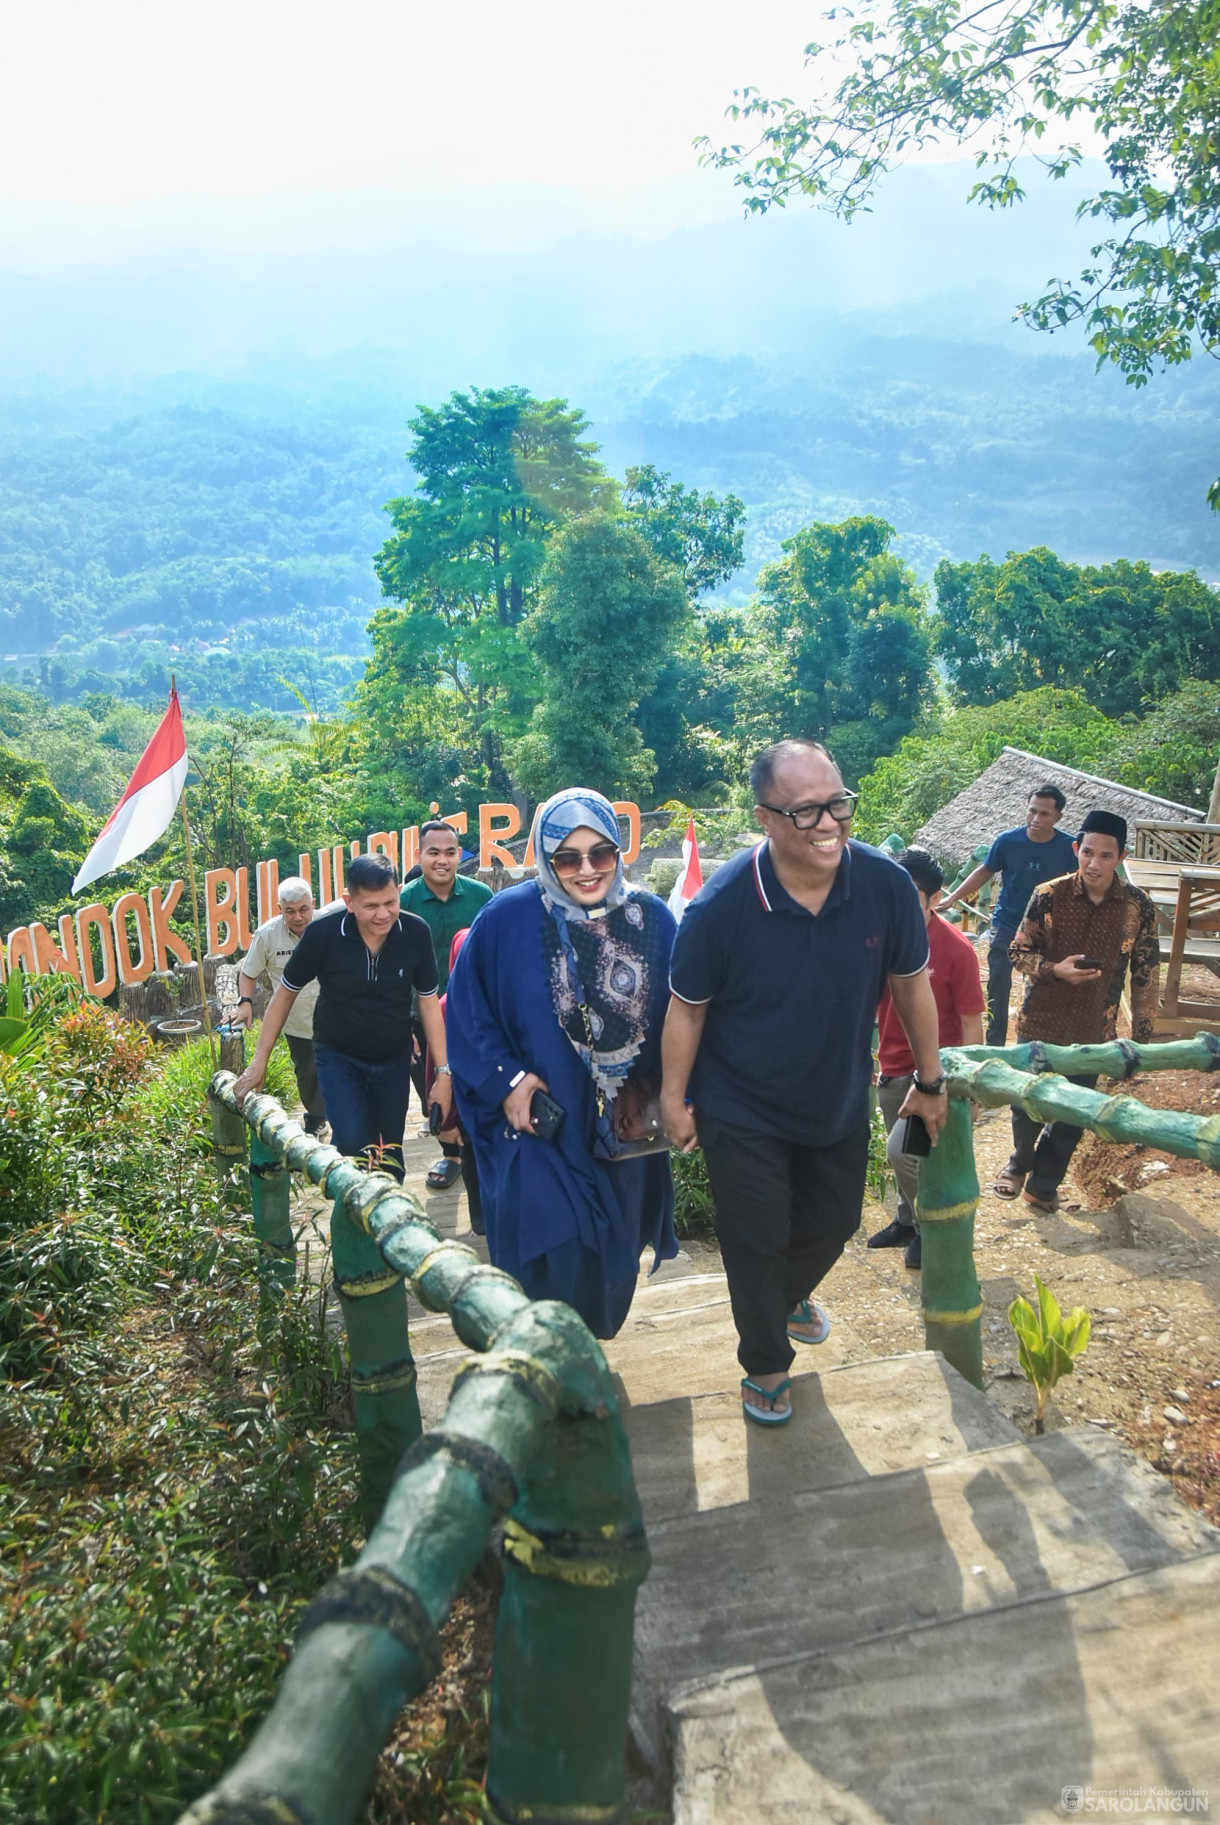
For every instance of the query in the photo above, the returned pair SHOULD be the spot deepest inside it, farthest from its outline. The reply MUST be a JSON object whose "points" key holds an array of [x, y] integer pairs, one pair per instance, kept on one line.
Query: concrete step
{"points": [[851, 1422], [896, 1502], [984, 1717]]}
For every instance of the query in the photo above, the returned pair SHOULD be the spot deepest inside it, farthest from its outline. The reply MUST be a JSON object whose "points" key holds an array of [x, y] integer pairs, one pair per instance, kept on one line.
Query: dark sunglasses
{"points": [[602, 857], [840, 807]]}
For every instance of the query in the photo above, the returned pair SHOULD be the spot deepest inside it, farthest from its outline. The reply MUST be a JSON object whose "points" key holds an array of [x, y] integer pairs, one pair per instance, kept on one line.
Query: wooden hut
{"points": [[998, 798]]}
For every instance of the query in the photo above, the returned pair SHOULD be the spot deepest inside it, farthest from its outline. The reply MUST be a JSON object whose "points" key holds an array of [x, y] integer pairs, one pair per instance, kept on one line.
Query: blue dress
{"points": [[564, 1224]]}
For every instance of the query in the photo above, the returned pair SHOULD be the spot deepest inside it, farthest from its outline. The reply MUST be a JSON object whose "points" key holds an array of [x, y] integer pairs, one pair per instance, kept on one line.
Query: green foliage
{"points": [[606, 615], [930, 766], [498, 471], [175, 1096], [1047, 1342], [1120, 632], [837, 638], [44, 840], [1142, 79], [700, 535], [1174, 750], [125, 529], [694, 1206], [879, 1176], [172, 1493]]}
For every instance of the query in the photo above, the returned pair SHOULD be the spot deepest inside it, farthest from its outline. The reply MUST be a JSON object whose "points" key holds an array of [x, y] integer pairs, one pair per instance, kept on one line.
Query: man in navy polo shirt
{"points": [[367, 960], [777, 970]]}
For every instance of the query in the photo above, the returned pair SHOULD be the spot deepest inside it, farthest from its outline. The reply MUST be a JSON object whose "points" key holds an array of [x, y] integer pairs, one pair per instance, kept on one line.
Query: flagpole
{"points": [[190, 870]]}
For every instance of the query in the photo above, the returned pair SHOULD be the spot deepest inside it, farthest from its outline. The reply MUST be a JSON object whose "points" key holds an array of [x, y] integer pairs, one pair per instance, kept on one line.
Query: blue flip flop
{"points": [[804, 1314], [770, 1417]]}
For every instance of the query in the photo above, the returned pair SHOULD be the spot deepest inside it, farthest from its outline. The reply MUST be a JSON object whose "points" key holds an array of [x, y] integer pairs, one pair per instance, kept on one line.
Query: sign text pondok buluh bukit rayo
{"points": [[105, 946]]}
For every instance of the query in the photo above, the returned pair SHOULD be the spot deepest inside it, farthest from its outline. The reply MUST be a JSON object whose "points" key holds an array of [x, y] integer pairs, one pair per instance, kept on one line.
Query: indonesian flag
{"points": [[690, 880], [146, 809]]}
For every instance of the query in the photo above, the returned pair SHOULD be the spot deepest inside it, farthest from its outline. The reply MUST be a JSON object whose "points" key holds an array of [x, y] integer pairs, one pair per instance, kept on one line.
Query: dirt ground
{"points": [[1151, 1284]]}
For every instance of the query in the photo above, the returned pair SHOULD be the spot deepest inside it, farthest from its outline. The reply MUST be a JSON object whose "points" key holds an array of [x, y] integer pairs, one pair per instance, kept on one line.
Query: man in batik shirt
{"points": [[1080, 935]]}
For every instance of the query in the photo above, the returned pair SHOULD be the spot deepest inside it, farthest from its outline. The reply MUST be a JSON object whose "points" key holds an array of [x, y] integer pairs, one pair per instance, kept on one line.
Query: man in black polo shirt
{"points": [[777, 970], [367, 960]]}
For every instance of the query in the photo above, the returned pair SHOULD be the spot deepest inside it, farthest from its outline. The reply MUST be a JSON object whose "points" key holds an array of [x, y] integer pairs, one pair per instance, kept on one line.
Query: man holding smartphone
{"points": [[1076, 941], [953, 971]]}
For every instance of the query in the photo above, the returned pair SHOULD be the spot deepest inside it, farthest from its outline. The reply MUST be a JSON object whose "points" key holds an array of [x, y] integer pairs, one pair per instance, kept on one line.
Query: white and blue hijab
{"points": [[604, 963]]}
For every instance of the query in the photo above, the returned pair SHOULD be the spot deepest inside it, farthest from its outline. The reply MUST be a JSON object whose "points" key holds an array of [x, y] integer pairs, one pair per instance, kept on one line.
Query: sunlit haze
{"points": [[135, 100]]}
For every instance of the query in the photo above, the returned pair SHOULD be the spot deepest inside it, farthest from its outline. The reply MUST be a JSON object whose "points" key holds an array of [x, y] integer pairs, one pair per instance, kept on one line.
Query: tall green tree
{"points": [[837, 638], [606, 614], [449, 679], [1121, 632], [702, 536], [1140, 77]]}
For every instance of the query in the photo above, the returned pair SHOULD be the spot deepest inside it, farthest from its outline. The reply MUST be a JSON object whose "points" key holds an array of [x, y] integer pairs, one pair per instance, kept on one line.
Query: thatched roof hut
{"points": [[998, 798]]}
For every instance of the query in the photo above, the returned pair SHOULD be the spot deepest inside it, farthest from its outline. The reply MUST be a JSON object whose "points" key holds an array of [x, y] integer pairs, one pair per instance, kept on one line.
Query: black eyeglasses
{"points": [[805, 817], [601, 858]]}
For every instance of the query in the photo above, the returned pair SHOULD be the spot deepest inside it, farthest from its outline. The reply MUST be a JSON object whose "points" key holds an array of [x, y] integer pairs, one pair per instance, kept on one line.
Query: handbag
{"points": [[633, 1127]]}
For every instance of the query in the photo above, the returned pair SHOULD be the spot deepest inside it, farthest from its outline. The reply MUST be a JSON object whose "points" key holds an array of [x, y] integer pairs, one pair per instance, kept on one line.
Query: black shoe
{"points": [[894, 1235], [914, 1252]]}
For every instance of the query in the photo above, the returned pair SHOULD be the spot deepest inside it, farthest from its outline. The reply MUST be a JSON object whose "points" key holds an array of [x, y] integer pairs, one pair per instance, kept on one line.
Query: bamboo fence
{"points": [[531, 1436], [1034, 1075]]}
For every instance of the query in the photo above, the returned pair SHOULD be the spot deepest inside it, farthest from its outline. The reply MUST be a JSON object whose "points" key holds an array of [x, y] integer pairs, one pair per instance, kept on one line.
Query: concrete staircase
{"points": [[895, 1608]]}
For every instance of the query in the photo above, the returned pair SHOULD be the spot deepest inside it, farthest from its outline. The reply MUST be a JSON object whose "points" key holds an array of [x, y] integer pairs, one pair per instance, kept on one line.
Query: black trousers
{"points": [[1044, 1153], [784, 1215], [305, 1070], [999, 988]]}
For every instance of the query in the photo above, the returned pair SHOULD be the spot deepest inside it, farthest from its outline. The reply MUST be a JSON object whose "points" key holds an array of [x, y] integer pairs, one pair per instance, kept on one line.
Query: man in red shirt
{"points": [[953, 970]]}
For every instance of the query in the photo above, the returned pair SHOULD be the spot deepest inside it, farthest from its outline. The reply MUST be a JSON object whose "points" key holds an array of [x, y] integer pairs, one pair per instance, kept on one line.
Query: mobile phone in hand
{"points": [[915, 1137], [546, 1115], [436, 1119], [1089, 963]]}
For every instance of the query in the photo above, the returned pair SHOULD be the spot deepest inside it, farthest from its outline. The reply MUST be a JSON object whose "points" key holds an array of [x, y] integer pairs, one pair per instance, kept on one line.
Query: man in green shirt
{"points": [[447, 902]]}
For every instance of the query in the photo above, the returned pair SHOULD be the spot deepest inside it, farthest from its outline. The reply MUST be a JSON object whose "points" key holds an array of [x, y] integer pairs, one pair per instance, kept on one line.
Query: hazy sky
{"points": [[136, 99]]}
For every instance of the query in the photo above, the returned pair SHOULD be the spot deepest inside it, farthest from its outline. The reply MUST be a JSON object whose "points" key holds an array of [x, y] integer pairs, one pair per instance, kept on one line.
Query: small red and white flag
{"points": [[690, 879], [146, 809]]}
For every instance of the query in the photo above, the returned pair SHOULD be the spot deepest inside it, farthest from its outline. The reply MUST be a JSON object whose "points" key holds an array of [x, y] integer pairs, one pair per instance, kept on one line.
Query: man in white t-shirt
{"points": [[270, 949]]}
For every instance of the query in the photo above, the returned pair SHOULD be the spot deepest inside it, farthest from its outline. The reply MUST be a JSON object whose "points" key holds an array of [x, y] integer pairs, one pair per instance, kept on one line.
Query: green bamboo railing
{"points": [[1033, 1075], [532, 1433]]}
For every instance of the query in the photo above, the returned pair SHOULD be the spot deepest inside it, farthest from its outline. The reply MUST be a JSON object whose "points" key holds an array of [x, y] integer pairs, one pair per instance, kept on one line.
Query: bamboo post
{"points": [[270, 1206], [575, 1555], [228, 1128], [1177, 945], [371, 1297], [947, 1200], [532, 1427], [384, 1396]]}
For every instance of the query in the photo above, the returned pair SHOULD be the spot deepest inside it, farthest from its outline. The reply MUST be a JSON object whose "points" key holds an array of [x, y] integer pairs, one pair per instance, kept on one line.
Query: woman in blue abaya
{"points": [[562, 985]]}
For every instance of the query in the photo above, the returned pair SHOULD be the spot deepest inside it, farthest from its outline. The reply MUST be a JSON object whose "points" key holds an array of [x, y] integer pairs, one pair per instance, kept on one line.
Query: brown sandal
{"points": [[1050, 1206], [1008, 1184]]}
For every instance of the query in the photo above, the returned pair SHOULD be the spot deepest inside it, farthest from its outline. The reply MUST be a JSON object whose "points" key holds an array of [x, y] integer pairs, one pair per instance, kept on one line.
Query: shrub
{"points": [[180, 1478]]}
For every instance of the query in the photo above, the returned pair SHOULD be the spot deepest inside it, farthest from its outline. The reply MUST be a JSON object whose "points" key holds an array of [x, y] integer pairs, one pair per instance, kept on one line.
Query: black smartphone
{"points": [[1089, 963], [547, 1115], [915, 1137], [436, 1120]]}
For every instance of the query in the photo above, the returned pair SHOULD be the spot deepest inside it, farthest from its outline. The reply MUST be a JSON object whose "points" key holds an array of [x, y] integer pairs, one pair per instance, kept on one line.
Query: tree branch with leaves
{"points": [[1009, 78]]}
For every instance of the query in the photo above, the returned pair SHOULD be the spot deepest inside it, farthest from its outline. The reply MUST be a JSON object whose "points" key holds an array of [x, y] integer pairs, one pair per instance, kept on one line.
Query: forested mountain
{"points": [[204, 406], [244, 517]]}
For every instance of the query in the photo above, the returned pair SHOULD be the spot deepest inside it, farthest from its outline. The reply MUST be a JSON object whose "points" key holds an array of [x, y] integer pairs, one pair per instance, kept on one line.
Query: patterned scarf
{"points": [[601, 960]]}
